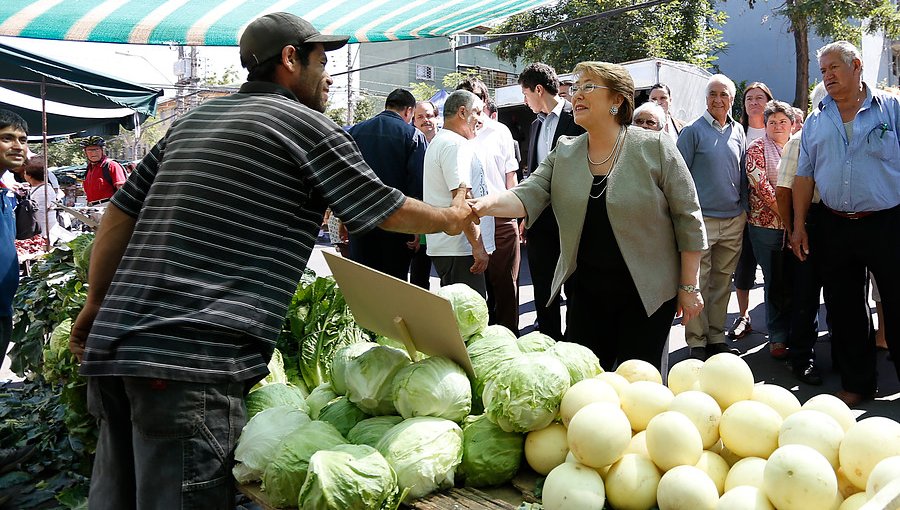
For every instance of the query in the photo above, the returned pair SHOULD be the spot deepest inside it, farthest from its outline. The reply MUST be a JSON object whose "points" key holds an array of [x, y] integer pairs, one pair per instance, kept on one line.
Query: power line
{"points": [[503, 37]]}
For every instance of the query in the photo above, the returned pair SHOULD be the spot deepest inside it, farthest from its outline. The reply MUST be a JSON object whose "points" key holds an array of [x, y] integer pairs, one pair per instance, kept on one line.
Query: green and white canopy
{"points": [[220, 22]]}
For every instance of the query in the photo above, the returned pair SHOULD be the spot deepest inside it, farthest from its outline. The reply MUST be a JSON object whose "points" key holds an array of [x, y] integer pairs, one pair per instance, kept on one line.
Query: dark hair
{"points": [[12, 119], [541, 74], [475, 86], [400, 99], [745, 120], [490, 107], [35, 169], [660, 86], [429, 103], [265, 70], [773, 107]]}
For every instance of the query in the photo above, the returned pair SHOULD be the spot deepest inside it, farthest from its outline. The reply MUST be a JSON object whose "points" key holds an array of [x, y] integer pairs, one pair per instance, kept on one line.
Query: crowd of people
{"points": [[636, 216]]}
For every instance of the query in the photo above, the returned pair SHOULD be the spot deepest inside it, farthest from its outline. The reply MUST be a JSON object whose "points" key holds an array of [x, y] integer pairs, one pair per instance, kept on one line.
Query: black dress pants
{"points": [[383, 251], [542, 248], [848, 248]]}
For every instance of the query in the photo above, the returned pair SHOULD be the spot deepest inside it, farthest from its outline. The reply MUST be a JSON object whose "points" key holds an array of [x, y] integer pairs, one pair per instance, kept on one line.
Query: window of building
{"points": [[471, 39], [424, 72]]}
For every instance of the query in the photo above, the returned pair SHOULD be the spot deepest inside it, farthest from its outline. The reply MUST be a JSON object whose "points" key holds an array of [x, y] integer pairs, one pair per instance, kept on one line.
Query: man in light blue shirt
{"points": [[851, 153]]}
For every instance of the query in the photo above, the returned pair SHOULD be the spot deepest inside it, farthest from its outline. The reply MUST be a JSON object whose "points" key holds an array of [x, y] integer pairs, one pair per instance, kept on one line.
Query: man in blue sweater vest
{"points": [[713, 148]]}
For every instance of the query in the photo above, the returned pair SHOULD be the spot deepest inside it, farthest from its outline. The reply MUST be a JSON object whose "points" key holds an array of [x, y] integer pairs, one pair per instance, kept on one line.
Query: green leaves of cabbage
{"points": [[319, 398], [349, 477], [580, 361], [260, 439], [526, 392], [491, 456], [535, 342], [369, 377], [424, 452], [371, 430], [488, 356], [432, 387], [469, 307], [274, 395], [285, 474], [342, 414], [494, 330], [342, 358]]}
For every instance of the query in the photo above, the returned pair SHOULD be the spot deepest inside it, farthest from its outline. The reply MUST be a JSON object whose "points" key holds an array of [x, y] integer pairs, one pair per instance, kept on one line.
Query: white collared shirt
{"points": [[548, 128], [715, 124]]}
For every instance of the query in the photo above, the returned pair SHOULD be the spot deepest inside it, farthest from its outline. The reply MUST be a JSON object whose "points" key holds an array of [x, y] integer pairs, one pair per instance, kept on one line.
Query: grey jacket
{"points": [[652, 203]]}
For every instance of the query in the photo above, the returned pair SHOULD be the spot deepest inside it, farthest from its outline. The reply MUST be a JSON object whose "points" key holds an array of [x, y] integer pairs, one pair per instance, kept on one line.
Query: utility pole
{"points": [[187, 69]]}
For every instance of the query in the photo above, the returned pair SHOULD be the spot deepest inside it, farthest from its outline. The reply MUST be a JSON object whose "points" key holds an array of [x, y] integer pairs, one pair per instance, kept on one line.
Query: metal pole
{"points": [[46, 176]]}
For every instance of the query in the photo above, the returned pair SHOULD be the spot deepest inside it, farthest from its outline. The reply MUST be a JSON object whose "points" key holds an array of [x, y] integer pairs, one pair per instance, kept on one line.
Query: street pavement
{"points": [[753, 347]]}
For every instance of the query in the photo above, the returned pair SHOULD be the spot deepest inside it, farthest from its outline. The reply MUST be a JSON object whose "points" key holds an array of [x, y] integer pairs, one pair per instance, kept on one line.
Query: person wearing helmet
{"points": [[104, 176]]}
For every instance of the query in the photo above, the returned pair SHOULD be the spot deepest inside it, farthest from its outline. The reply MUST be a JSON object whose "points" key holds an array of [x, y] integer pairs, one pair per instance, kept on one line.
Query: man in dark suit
{"points": [[396, 152], [540, 85]]}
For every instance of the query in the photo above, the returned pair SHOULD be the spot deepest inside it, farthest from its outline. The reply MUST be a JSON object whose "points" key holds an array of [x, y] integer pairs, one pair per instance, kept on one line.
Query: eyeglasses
{"points": [[587, 88], [647, 122]]}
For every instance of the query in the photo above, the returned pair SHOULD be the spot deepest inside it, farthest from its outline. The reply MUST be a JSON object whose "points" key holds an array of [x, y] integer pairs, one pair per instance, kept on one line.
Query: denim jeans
{"points": [[164, 444], [776, 262]]}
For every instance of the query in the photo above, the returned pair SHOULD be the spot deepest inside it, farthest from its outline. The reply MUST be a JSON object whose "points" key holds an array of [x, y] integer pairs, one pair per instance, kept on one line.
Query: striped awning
{"points": [[220, 22]]}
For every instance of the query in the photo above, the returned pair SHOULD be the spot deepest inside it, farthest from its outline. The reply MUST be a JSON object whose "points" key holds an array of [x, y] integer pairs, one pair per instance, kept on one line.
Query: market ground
{"points": [[753, 346]]}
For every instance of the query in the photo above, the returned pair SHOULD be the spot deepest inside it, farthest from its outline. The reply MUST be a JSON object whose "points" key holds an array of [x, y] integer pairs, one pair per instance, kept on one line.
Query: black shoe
{"points": [[712, 349], [808, 373], [698, 353]]}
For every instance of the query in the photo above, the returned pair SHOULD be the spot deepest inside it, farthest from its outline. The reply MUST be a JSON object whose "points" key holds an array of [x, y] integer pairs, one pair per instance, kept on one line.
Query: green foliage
{"points": [[39, 416], [364, 109], [451, 80], [683, 30], [835, 19], [338, 115], [228, 77], [53, 292], [63, 152], [422, 91], [318, 323]]}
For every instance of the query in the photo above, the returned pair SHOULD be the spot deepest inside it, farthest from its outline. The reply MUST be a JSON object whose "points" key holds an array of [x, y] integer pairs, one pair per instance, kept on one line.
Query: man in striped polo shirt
{"points": [[209, 236]]}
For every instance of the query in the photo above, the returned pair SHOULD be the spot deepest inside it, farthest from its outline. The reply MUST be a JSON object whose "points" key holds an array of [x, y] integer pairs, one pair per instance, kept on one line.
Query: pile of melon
{"points": [[711, 439]]}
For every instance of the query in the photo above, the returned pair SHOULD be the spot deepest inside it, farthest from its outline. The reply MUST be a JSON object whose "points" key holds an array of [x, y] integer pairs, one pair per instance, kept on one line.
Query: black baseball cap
{"points": [[267, 35]]}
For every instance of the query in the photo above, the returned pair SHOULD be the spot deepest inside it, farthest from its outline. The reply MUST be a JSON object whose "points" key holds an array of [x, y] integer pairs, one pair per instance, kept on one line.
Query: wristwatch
{"points": [[689, 288]]}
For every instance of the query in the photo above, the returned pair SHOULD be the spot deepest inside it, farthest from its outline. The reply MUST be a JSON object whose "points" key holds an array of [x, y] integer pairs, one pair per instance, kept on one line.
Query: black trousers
{"points": [[615, 325], [806, 287], [542, 249], [745, 272], [848, 248], [383, 251], [420, 269]]}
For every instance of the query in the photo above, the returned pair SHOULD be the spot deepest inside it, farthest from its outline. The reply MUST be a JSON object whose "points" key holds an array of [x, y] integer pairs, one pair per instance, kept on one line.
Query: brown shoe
{"points": [[850, 398]]}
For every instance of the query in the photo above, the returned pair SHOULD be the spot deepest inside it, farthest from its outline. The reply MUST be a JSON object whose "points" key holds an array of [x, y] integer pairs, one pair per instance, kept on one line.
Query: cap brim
{"points": [[330, 42]]}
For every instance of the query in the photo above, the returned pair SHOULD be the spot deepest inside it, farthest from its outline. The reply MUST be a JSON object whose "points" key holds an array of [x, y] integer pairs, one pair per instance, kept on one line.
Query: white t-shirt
{"points": [[496, 149], [449, 160], [754, 133]]}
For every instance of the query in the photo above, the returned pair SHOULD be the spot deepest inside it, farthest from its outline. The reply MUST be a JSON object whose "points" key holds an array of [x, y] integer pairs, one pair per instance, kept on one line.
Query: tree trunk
{"points": [[800, 28]]}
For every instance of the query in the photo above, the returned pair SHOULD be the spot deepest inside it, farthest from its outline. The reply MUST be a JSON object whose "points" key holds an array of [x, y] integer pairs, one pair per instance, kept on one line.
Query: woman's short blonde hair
{"points": [[618, 79]]}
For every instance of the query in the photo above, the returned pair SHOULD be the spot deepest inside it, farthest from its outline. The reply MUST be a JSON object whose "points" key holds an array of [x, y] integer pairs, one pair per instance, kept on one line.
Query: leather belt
{"points": [[98, 202], [851, 215]]}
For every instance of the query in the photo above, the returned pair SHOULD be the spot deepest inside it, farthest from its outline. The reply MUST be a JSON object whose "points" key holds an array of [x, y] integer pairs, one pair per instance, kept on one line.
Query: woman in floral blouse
{"points": [[767, 227]]}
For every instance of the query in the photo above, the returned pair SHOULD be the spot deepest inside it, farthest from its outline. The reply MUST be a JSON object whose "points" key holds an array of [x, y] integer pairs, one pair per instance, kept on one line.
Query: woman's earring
{"points": [[614, 109]]}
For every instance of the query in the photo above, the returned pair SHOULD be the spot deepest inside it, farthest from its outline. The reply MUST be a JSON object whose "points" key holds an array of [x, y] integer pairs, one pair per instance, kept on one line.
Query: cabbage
{"points": [[286, 472], [580, 361], [525, 393], [276, 372], [487, 356], [494, 330], [469, 307], [319, 398], [339, 365], [369, 378], [260, 439], [432, 387], [58, 359], [371, 430], [424, 452], [349, 477], [491, 456], [274, 395], [342, 414], [535, 342]]}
